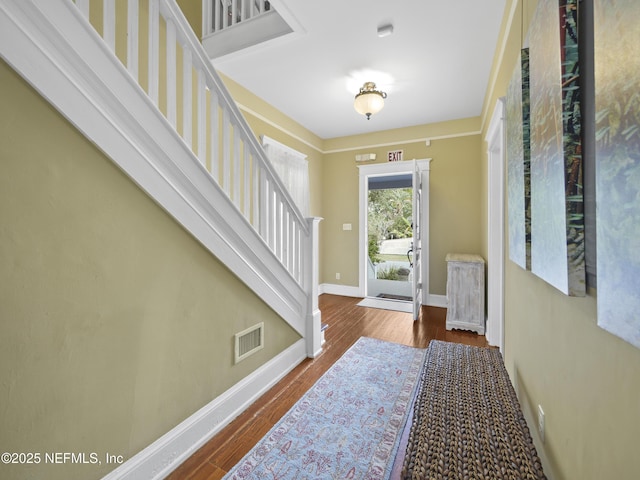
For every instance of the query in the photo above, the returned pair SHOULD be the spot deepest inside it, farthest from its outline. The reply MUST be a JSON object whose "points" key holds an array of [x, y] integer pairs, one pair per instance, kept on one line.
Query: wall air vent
{"points": [[249, 341]]}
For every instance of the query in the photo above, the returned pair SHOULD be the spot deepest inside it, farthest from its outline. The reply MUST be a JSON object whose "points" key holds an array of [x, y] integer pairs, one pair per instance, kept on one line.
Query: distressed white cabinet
{"points": [[465, 292]]}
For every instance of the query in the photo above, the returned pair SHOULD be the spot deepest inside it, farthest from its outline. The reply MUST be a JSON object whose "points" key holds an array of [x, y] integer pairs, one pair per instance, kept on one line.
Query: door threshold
{"points": [[387, 304], [388, 296]]}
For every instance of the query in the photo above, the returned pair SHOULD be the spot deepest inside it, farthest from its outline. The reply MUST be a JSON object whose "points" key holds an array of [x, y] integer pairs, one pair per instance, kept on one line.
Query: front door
{"points": [[417, 174], [417, 241]]}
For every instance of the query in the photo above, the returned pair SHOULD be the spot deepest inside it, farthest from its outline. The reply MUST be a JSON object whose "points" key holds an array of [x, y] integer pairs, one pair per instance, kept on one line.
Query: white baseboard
{"points": [[437, 301], [165, 454], [343, 290], [349, 291]]}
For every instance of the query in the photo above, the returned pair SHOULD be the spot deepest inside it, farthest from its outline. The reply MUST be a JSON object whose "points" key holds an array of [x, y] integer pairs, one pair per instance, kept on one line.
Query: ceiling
{"points": [[434, 67]]}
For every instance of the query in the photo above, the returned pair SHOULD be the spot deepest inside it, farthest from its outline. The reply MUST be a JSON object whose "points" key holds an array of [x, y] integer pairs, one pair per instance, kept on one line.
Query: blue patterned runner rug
{"points": [[348, 425]]}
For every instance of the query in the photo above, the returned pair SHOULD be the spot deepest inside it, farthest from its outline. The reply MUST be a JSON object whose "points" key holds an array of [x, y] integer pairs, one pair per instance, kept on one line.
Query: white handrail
{"points": [[188, 40], [58, 48], [198, 106]]}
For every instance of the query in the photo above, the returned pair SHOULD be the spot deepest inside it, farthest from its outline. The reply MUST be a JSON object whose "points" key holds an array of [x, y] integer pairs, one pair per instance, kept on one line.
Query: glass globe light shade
{"points": [[369, 100]]}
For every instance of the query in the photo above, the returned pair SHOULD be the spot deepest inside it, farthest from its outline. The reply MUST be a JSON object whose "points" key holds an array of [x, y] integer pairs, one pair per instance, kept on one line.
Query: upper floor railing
{"points": [[223, 14]]}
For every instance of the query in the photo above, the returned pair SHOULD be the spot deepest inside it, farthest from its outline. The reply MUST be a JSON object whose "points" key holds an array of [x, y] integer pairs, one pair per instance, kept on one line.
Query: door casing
{"points": [[383, 169], [495, 139]]}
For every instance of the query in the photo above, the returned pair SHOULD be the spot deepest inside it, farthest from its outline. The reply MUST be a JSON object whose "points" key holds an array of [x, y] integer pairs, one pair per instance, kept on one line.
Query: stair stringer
{"points": [[51, 46]]}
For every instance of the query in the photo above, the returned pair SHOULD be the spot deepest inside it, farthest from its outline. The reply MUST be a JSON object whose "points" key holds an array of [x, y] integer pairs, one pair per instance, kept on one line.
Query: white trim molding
{"points": [[349, 291], [342, 290], [364, 146], [424, 140], [437, 301], [167, 453], [61, 55], [277, 126], [389, 168], [495, 227]]}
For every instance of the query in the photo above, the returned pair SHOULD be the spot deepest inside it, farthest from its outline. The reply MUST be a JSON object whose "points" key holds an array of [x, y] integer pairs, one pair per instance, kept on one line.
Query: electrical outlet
{"points": [[338, 276], [541, 422]]}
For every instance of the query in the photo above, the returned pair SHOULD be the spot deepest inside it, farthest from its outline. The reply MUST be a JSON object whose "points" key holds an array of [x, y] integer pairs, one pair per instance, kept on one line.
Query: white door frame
{"points": [[418, 206], [495, 139], [379, 170]]}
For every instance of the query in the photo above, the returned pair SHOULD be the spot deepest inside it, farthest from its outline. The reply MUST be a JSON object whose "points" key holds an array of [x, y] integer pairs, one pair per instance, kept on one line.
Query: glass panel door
{"points": [[417, 242]]}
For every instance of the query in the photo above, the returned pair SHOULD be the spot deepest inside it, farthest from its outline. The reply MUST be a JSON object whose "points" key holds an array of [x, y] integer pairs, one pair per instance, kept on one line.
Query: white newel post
{"points": [[312, 267]]}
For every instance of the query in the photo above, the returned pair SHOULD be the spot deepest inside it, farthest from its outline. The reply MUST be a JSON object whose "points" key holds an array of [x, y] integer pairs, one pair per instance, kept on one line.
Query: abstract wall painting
{"points": [[617, 94], [557, 214], [519, 164]]}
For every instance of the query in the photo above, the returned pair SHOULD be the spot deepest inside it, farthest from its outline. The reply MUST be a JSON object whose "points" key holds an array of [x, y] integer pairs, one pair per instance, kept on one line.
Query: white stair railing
{"points": [[212, 126], [225, 172]]}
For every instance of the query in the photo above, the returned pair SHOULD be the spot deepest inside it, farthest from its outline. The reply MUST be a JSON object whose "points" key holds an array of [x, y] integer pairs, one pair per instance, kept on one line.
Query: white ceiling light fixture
{"points": [[369, 101]]}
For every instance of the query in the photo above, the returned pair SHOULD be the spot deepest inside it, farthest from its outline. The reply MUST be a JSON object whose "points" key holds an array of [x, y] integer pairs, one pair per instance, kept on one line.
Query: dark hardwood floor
{"points": [[347, 322]]}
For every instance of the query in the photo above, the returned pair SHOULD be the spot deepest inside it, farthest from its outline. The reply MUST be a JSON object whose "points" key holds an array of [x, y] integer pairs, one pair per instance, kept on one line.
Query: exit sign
{"points": [[395, 156]]}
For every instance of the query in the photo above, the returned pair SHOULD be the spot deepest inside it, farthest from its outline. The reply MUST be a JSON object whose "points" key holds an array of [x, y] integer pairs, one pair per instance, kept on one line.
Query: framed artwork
{"points": [[519, 164], [617, 95], [557, 214]]}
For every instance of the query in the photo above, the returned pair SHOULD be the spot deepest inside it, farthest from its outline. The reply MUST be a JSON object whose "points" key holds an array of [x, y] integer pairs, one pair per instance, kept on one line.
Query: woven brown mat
{"points": [[467, 421]]}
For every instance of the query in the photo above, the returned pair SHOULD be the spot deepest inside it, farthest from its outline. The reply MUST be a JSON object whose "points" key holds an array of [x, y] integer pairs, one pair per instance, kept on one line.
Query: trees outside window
{"points": [[389, 214], [389, 218]]}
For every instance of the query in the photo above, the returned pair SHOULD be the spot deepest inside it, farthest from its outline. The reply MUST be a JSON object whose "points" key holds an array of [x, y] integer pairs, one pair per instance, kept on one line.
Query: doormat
{"points": [[404, 298]]}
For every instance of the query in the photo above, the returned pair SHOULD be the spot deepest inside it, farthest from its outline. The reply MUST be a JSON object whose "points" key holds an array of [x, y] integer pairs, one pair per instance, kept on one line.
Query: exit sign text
{"points": [[395, 156]]}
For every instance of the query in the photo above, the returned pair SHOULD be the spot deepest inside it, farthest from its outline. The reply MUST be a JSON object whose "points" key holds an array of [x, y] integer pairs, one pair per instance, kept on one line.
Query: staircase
{"points": [[138, 83]]}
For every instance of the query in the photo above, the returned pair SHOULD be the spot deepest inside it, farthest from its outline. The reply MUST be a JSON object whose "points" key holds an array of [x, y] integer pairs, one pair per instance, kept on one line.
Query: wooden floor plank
{"points": [[347, 323]]}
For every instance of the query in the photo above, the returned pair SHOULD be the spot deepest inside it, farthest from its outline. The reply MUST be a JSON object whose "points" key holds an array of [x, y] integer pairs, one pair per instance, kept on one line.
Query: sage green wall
{"points": [[455, 190], [192, 10], [455, 204], [454, 199], [115, 323], [587, 380]]}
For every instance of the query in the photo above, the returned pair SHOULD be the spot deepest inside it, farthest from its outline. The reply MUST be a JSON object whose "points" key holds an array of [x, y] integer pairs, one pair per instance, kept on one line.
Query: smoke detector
{"points": [[385, 30]]}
